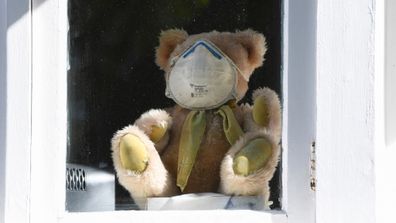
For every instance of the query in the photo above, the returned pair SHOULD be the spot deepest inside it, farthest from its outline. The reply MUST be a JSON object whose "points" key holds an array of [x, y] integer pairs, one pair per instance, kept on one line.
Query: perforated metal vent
{"points": [[75, 179]]}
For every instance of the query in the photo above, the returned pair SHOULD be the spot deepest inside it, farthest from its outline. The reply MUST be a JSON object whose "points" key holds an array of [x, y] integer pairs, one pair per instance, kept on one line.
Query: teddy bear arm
{"points": [[265, 114]]}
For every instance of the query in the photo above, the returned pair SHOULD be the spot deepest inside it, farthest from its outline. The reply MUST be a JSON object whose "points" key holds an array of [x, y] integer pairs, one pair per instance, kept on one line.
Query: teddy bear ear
{"points": [[255, 45], [168, 40]]}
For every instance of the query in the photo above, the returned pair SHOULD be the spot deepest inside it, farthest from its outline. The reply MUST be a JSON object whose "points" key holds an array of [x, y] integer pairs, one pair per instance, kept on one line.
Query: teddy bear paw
{"points": [[158, 131]]}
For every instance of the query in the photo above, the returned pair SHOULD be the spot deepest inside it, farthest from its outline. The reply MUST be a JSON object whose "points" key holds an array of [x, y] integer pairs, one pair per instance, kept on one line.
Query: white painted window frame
{"points": [[49, 92], [385, 153], [322, 104]]}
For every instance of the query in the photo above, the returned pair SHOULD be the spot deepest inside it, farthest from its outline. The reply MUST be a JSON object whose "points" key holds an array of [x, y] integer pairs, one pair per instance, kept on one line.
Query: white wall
{"points": [[345, 111]]}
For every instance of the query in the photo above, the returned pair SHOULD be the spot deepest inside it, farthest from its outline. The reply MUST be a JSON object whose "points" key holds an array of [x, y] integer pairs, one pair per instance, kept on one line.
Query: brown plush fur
{"points": [[212, 167], [246, 49], [168, 42], [205, 176]]}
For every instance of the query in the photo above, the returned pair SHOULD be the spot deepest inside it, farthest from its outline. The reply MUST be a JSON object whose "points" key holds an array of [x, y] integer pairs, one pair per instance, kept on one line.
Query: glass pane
{"points": [[113, 78]]}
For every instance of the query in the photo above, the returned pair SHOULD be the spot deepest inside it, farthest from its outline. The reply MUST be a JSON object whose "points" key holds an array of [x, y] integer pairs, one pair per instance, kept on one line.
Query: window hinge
{"points": [[313, 167]]}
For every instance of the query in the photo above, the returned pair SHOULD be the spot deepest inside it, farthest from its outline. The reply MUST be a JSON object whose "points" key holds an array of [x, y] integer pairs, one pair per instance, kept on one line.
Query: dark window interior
{"points": [[113, 78]]}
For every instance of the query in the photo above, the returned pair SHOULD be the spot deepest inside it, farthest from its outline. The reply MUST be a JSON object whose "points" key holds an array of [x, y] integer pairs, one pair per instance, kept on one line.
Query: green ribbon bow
{"points": [[192, 132]]}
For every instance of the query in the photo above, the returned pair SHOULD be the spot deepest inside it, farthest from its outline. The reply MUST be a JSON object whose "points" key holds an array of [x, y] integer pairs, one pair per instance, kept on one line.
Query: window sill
{"points": [[273, 216], [206, 201]]}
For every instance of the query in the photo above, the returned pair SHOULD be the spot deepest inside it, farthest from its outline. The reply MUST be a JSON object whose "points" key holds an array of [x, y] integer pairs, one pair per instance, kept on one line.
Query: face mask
{"points": [[202, 77]]}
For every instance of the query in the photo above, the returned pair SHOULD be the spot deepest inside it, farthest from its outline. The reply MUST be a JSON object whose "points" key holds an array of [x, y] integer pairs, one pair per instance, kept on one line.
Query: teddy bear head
{"points": [[245, 49]]}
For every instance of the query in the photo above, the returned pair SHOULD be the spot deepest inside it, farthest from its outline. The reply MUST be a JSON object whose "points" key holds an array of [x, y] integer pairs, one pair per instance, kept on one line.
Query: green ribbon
{"points": [[191, 137], [192, 132], [231, 127]]}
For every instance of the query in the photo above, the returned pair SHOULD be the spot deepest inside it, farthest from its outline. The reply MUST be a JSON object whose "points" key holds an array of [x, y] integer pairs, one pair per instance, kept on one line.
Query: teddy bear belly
{"points": [[205, 175]]}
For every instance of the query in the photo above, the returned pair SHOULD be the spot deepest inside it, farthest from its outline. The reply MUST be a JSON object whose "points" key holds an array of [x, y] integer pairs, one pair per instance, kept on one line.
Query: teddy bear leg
{"points": [[253, 156], [139, 167], [249, 165]]}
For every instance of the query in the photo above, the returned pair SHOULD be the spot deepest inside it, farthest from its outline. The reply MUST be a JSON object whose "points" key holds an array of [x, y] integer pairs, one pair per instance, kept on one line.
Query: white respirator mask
{"points": [[202, 77]]}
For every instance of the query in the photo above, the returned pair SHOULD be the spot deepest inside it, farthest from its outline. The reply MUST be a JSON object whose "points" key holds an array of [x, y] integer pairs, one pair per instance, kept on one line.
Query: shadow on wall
{"points": [[3, 102], [13, 10]]}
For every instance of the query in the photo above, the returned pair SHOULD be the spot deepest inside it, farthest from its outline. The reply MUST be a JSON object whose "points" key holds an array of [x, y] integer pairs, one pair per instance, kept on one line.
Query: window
{"points": [[43, 149], [113, 78]]}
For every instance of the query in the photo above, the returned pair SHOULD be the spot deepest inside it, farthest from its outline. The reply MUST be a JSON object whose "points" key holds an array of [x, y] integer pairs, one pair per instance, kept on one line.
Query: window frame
{"points": [[329, 46], [385, 126], [44, 151]]}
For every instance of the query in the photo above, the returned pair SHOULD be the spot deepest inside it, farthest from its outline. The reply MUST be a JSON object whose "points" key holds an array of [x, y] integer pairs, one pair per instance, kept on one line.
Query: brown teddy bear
{"points": [[206, 142]]}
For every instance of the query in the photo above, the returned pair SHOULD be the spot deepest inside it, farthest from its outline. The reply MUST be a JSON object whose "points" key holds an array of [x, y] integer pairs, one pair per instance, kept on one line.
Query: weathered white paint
{"points": [[15, 125], [385, 111], [345, 111], [299, 118]]}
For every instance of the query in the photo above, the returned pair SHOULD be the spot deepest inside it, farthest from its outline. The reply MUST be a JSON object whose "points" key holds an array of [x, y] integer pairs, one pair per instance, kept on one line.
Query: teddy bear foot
{"points": [[252, 157], [249, 165], [133, 153]]}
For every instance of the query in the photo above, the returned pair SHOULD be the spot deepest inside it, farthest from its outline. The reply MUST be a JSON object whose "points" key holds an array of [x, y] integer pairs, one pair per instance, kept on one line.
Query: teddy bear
{"points": [[207, 142]]}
